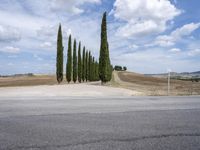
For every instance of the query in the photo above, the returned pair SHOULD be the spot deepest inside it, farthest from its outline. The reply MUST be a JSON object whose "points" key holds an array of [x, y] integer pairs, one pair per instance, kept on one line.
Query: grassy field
{"points": [[154, 86], [28, 80]]}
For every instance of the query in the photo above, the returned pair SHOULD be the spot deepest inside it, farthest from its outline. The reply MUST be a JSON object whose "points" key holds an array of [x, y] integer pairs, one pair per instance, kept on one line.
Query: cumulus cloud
{"points": [[143, 17], [177, 35], [9, 34], [71, 6], [175, 50], [10, 49]]}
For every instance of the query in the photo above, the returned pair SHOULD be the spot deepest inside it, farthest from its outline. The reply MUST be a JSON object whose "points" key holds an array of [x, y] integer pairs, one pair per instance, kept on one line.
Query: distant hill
{"points": [[18, 75], [182, 75]]}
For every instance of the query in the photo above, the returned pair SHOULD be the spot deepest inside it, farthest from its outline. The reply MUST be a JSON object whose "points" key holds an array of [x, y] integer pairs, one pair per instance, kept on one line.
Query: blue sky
{"points": [[147, 36]]}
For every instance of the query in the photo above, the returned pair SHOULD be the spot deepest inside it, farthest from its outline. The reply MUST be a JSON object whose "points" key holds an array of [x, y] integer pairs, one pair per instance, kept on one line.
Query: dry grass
{"points": [[155, 86], [28, 80]]}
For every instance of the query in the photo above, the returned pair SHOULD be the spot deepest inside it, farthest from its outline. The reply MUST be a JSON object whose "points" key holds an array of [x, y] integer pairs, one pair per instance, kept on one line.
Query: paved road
{"points": [[149, 123]]}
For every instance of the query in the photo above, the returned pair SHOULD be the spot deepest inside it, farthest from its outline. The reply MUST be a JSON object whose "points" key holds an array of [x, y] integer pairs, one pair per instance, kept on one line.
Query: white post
{"points": [[168, 85]]}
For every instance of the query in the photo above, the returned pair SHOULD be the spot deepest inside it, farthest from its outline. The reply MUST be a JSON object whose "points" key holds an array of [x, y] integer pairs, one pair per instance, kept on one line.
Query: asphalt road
{"points": [[143, 123]]}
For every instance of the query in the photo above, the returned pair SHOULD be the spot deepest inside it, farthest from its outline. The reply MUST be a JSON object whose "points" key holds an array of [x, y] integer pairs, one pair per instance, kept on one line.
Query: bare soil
{"points": [[154, 86]]}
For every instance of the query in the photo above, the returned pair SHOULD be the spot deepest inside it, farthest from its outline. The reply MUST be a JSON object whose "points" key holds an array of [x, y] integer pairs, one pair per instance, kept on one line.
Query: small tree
{"points": [[59, 59], [69, 60], [118, 68], [74, 63], [79, 63], [124, 68]]}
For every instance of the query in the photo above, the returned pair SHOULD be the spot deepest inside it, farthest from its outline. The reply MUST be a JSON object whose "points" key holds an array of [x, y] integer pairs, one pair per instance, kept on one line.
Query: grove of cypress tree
{"points": [[74, 62], [86, 66], [104, 60], [83, 65], [59, 59], [79, 63], [69, 60]]}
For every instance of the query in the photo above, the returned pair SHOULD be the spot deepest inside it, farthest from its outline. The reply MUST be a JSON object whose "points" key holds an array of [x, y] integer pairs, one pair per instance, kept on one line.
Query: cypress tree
{"points": [[104, 60], [86, 66], [79, 63], [89, 66], [83, 65], [110, 67], [93, 70], [97, 71], [74, 63], [59, 59], [69, 60]]}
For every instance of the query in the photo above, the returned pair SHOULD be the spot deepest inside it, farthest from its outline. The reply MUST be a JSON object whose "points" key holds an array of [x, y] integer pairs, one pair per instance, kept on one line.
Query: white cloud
{"points": [[9, 34], [133, 46], [143, 17], [37, 57], [46, 45], [47, 31], [10, 49], [71, 6], [177, 35], [195, 52], [175, 50], [10, 64]]}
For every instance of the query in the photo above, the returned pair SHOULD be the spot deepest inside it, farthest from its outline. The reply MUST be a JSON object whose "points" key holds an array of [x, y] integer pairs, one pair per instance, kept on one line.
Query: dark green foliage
{"points": [[59, 60], [83, 65], [96, 71], [110, 67], [86, 66], [90, 67], [79, 63], [124, 68], [105, 71], [119, 68], [74, 63], [93, 70], [69, 60]]}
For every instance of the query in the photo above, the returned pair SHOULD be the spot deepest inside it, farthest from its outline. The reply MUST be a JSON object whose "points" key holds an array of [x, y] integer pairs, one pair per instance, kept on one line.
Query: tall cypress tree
{"points": [[83, 65], [89, 66], [86, 66], [59, 59], [110, 68], [104, 59], [93, 70], [74, 62], [97, 71], [69, 60], [79, 63]]}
